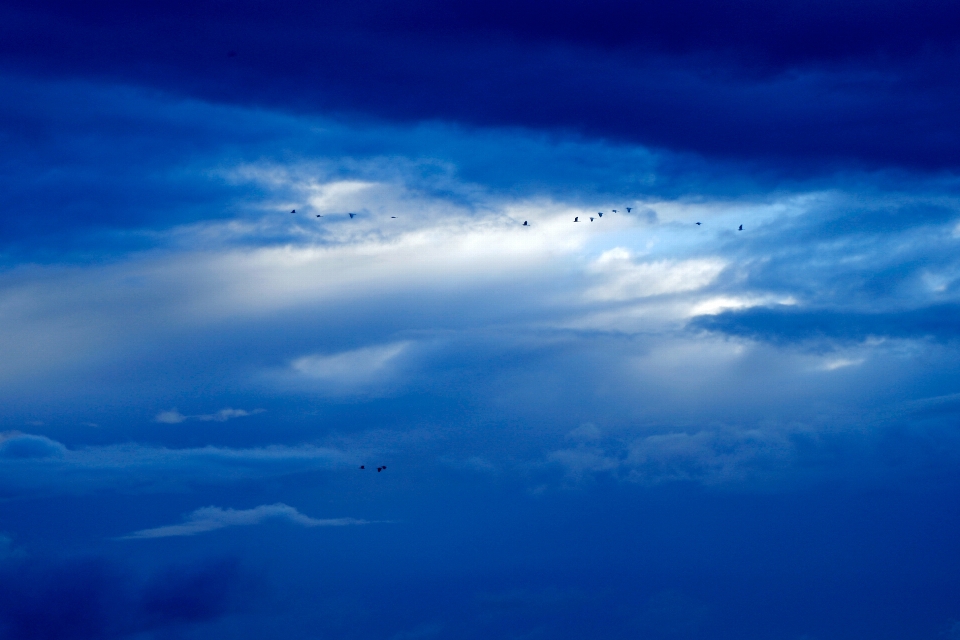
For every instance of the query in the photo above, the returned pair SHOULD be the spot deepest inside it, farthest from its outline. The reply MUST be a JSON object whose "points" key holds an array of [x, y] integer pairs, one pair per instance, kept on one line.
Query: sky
{"points": [[311, 326]]}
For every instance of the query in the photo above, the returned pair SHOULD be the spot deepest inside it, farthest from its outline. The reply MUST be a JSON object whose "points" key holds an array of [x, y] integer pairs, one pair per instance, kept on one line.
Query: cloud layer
{"points": [[796, 84], [724, 408], [37, 465]]}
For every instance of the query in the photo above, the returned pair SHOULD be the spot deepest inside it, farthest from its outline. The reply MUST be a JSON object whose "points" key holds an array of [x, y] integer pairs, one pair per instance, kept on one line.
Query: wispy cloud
{"points": [[175, 417], [707, 455], [624, 278], [34, 464], [351, 371], [213, 518]]}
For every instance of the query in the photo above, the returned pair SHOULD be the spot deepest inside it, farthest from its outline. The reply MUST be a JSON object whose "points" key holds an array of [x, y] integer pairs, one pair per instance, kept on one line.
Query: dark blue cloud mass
{"points": [[93, 598], [804, 85]]}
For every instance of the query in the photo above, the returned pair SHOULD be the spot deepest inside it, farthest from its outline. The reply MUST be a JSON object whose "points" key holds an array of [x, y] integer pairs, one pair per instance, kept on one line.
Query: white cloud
{"points": [[337, 194], [718, 304], [840, 363], [170, 417], [626, 279], [175, 417], [228, 414], [213, 518], [349, 368]]}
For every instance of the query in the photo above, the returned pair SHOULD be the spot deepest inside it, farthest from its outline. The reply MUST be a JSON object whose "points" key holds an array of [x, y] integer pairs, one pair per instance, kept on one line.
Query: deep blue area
{"points": [[481, 561]]}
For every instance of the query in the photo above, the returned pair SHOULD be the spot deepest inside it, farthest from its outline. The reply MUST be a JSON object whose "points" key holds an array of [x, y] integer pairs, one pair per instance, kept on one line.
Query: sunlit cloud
{"points": [[350, 367], [626, 278]]}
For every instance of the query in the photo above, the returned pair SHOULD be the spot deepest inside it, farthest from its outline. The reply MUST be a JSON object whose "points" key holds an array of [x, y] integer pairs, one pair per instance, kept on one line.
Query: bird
{"points": [[393, 216], [352, 214], [384, 467], [525, 223], [600, 213], [293, 211], [698, 224], [577, 219], [319, 216], [362, 467], [379, 469], [629, 209], [614, 210], [591, 218], [741, 228]]}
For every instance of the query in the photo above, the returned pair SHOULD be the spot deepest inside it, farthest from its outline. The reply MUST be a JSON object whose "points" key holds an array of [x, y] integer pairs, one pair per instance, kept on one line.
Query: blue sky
{"points": [[628, 426]]}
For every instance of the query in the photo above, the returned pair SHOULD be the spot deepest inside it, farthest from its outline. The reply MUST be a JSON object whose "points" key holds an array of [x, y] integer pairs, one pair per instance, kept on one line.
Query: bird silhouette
{"points": [[614, 210], [591, 218], [629, 209], [600, 213], [293, 211], [379, 469], [741, 228], [362, 467], [393, 216], [525, 223], [352, 214], [698, 224], [384, 467], [319, 216], [577, 219]]}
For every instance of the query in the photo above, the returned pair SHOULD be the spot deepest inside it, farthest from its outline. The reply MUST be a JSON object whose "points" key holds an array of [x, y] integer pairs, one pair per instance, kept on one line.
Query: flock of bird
{"points": [[379, 469], [525, 224]]}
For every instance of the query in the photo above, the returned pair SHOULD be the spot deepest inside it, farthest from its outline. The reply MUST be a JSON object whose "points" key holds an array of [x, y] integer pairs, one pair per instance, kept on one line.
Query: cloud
{"points": [[175, 417], [709, 455], [351, 371], [37, 465], [93, 598], [213, 518], [170, 417], [626, 279], [636, 319], [784, 325], [791, 84]]}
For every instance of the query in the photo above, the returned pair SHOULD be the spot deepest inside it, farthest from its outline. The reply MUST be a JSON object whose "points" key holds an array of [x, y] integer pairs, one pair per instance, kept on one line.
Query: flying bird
{"points": [[600, 213], [293, 211], [577, 219], [393, 216], [362, 467], [698, 224], [614, 210], [591, 218], [629, 209], [741, 228], [525, 223], [319, 216], [352, 214]]}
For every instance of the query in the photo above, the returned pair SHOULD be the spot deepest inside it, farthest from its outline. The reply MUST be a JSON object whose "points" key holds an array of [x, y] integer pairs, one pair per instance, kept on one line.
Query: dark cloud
{"points": [[787, 325], [94, 598], [804, 83]]}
